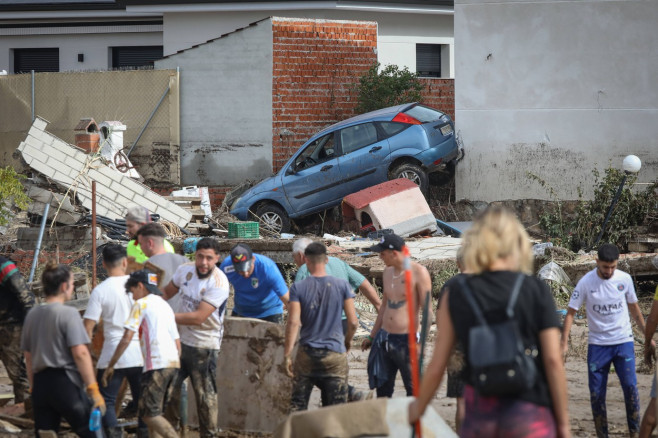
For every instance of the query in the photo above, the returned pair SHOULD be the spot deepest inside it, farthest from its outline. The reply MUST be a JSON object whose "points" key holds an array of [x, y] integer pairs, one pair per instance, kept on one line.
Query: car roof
{"points": [[380, 114]]}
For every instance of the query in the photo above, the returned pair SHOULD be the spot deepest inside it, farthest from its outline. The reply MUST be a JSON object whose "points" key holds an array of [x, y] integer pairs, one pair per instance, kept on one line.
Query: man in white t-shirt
{"points": [[154, 320], [203, 291], [110, 302], [608, 295]]}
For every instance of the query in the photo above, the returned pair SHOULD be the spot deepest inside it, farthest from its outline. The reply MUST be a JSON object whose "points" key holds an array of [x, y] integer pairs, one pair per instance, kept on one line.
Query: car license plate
{"points": [[446, 129]]}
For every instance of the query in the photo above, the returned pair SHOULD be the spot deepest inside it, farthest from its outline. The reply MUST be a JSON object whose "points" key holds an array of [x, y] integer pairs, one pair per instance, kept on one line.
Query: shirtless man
{"points": [[389, 336]]}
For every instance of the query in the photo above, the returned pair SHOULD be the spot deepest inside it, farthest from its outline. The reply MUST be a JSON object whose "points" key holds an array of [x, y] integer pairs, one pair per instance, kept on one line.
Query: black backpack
{"points": [[500, 364]]}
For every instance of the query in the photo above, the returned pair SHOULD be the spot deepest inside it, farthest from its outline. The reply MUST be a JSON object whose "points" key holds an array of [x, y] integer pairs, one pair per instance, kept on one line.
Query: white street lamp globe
{"points": [[631, 164]]}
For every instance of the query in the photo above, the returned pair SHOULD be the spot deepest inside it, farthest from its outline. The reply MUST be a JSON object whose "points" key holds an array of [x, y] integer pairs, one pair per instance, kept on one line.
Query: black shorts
{"points": [[455, 385]]}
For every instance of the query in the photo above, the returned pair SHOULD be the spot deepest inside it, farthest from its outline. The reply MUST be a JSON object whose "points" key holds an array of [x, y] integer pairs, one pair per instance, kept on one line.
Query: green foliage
{"points": [[632, 209], [12, 194], [391, 86]]}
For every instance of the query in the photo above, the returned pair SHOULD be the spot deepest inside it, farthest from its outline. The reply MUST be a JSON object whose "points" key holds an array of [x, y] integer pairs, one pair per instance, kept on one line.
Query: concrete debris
{"points": [[74, 170], [398, 205], [6, 427]]}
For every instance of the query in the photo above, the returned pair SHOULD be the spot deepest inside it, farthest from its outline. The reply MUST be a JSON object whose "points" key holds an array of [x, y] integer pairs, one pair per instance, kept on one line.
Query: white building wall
{"points": [[556, 88], [398, 32], [94, 46], [226, 107]]}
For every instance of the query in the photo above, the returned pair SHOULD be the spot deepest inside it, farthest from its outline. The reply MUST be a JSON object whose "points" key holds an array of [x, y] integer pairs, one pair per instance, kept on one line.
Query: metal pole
{"points": [[93, 234], [38, 248], [148, 121], [33, 96]]}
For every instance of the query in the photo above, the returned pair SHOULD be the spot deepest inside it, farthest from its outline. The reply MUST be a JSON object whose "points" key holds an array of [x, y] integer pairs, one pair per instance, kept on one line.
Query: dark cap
{"points": [[241, 256], [388, 241], [147, 278]]}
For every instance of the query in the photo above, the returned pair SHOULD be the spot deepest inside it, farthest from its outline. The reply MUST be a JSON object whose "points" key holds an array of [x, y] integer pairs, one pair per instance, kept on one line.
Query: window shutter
{"points": [[428, 60], [138, 56], [39, 60]]}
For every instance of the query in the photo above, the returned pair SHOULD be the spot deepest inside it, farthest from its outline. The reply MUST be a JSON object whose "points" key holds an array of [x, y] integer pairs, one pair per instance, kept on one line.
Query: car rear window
{"points": [[424, 114]]}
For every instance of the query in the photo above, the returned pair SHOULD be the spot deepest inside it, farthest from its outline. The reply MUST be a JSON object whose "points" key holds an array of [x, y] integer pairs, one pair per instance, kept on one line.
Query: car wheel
{"points": [[273, 218], [412, 172]]}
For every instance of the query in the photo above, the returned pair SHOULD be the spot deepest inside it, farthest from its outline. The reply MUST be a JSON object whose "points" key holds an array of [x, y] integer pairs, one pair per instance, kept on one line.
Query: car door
{"points": [[312, 179], [364, 157]]}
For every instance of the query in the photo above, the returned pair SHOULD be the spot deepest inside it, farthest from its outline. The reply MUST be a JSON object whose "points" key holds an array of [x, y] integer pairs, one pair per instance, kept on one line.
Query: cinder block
{"points": [[62, 178], [99, 178], [55, 156], [43, 168], [133, 186], [40, 123], [29, 150], [106, 193], [110, 173], [140, 200]]}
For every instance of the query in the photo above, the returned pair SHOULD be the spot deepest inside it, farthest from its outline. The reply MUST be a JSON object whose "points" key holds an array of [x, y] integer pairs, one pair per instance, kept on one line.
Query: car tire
{"points": [[273, 218], [414, 173]]}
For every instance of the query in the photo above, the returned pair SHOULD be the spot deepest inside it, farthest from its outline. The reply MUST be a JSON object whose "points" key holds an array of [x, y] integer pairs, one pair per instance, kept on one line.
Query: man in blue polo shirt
{"points": [[260, 290]]}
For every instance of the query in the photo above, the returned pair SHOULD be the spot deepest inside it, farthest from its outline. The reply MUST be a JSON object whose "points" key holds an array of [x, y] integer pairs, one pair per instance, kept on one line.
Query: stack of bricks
{"points": [[23, 259], [439, 94], [316, 64]]}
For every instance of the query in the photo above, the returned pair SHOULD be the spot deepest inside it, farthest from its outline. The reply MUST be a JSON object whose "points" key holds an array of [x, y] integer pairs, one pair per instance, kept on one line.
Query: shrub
{"points": [[12, 194], [388, 87]]}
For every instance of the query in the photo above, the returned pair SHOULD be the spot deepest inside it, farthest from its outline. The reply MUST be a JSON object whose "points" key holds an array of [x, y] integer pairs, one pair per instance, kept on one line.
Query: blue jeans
{"points": [[599, 358], [396, 357], [109, 392]]}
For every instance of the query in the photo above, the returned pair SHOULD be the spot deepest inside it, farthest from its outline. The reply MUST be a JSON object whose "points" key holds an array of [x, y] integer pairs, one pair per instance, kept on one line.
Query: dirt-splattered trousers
{"points": [[200, 365], [12, 357], [319, 367], [599, 358]]}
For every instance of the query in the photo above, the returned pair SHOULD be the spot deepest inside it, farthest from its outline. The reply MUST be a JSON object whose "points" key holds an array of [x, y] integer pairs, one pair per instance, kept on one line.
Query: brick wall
{"points": [[23, 259], [440, 94], [315, 64]]}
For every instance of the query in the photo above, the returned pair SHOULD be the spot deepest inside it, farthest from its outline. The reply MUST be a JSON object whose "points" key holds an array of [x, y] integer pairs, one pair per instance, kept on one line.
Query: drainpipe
{"points": [[38, 248]]}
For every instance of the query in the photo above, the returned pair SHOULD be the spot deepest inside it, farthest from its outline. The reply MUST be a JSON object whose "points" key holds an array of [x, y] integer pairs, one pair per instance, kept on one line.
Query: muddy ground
{"points": [[579, 407]]}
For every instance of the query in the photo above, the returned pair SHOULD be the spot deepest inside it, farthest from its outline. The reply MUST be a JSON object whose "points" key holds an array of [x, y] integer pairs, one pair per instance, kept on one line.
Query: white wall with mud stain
{"points": [[556, 88], [226, 107]]}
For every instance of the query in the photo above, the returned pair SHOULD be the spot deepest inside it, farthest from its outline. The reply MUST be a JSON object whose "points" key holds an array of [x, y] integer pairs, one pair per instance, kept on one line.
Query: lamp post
{"points": [[631, 164]]}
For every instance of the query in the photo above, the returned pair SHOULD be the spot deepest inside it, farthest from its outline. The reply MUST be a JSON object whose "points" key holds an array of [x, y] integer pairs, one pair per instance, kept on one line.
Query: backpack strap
{"points": [[514, 295], [476, 309], [471, 301]]}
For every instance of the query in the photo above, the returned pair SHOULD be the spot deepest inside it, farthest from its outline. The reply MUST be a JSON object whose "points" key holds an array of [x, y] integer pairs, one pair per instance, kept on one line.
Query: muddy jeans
{"points": [[200, 365], [12, 357], [319, 367], [396, 356], [155, 391], [599, 358]]}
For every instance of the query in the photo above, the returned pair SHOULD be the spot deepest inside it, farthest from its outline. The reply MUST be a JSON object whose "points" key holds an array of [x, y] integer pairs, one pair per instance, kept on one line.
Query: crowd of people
{"points": [[164, 324]]}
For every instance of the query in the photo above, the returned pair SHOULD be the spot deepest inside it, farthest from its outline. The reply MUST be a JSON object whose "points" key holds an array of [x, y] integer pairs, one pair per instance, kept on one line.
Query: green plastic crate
{"points": [[243, 230]]}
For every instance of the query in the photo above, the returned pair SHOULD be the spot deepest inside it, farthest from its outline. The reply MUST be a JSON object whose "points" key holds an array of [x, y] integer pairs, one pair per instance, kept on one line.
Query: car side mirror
{"points": [[291, 171]]}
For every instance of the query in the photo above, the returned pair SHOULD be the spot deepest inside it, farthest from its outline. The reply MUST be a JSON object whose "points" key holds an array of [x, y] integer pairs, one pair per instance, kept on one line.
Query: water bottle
{"points": [[95, 420]]}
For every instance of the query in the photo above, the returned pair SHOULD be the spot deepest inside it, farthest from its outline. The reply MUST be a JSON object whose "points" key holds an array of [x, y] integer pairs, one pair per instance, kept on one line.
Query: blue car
{"points": [[404, 141]]}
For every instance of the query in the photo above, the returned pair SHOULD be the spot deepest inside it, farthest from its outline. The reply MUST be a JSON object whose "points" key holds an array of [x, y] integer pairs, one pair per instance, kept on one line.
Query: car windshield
{"points": [[424, 114]]}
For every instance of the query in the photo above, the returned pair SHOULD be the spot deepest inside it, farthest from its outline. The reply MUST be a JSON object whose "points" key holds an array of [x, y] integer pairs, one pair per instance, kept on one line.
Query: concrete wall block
{"points": [[43, 168], [99, 178], [63, 178], [153, 197], [106, 193], [151, 206], [133, 186], [40, 123], [55, 156], [35, 153], [124, 201], [110, 173]]}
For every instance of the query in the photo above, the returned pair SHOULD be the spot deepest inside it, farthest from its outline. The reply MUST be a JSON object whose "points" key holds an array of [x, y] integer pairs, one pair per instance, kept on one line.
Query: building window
{"points": [[39, 60], [428, 60], [135, 56]]}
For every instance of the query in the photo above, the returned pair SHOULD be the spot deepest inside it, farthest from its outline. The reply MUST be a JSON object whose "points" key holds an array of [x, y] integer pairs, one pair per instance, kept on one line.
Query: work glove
{"points": [[107, 376], [94, 393]]}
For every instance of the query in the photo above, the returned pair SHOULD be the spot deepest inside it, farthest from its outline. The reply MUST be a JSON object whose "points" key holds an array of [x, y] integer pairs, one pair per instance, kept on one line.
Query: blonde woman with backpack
{"points": [[499, 297]]}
